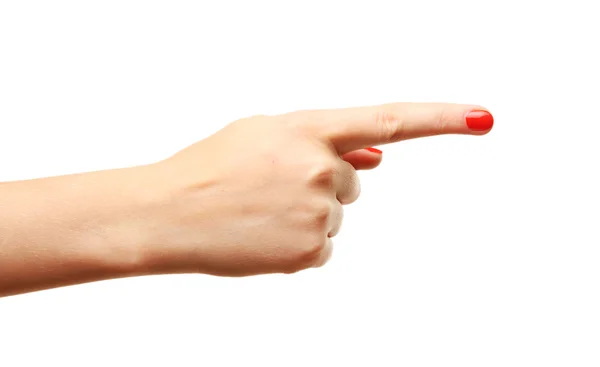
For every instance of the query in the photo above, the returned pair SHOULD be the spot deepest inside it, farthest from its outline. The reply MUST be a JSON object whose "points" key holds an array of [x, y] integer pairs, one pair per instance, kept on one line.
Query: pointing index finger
{"points": [[360, 127]]}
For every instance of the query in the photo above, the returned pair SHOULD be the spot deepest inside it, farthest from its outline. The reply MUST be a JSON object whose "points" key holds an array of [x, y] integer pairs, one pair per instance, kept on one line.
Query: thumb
{"points": [[364, 159]]}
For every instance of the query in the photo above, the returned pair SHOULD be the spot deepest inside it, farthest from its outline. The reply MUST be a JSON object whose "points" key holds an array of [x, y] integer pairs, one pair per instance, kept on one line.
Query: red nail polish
{"points": [[479, 120], [374, 150]]}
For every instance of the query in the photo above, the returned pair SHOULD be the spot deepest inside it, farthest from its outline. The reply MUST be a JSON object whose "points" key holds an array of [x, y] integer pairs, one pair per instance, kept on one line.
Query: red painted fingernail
{"points": [[374, 150], [479, 120]]}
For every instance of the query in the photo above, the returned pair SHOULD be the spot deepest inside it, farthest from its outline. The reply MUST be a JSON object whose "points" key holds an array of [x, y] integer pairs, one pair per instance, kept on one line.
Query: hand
{"points": [[265, 194]]}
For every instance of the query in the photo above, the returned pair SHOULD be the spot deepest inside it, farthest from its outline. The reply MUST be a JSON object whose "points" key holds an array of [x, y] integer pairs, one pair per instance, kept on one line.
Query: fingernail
{"points": [[479, 120], [374, 150]]}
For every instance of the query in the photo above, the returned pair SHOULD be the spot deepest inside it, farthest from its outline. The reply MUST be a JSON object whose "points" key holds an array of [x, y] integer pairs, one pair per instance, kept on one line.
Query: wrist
{"points": [[122, 233], [169, 227], [81, 228]]}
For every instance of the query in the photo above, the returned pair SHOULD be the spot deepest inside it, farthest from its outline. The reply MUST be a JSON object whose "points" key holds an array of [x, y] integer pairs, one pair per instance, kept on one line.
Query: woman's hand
{"points": [[266, 194], [263, 195]]}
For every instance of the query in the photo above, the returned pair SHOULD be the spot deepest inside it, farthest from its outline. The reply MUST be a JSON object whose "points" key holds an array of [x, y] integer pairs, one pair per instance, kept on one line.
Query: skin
{"points": [[263, 195]]}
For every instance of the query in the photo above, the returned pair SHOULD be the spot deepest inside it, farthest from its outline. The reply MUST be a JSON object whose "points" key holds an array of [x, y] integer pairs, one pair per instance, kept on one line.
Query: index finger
{"points": [[360, 127]]}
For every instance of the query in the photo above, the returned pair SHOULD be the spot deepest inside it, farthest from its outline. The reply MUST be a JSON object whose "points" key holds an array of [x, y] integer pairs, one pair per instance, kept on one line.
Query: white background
{"points": [[466, 251]]}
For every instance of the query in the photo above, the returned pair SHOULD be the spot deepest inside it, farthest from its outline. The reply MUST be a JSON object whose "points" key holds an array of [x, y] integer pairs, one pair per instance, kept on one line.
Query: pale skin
{"points": [[263, 195]]}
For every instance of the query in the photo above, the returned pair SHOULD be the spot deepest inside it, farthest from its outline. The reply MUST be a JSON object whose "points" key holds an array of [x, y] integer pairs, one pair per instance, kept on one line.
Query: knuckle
{"points": [[320, 215], [313, 217], [337, 223], [323, 175], [442, 123], [350, 188], [390, 125], [306, 255], [339, 218], [311, 251]]}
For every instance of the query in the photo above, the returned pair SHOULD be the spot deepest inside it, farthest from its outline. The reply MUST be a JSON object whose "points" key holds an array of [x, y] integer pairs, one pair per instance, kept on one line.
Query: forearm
{"points": [[70, 229]]}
